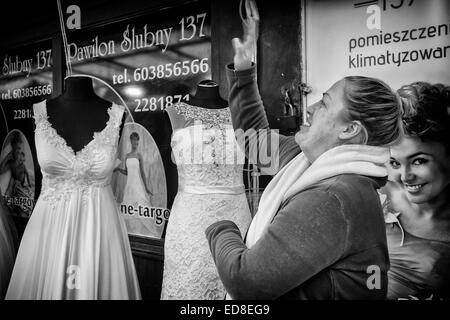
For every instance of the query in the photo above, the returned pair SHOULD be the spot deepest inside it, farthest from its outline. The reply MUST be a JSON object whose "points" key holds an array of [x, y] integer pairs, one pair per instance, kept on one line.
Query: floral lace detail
{"points": [[207, 157], [207, 117], [189, 269], [108, 136], [57, 189], [80, 177]]}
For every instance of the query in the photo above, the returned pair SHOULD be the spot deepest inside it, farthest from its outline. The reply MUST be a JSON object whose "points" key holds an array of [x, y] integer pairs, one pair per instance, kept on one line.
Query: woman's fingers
{"points": [[250, 25], [248, 12], [255, 18], [252, 10], [245, 49]]}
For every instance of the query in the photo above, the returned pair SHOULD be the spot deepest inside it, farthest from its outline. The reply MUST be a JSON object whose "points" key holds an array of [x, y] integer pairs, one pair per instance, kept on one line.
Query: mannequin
{"points": [[208, 96], [78, 112], [76, 221]]}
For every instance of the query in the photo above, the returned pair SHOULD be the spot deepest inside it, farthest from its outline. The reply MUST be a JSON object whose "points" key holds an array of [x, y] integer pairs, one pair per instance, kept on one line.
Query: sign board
{"points": [[25, 78], [398, 41]]}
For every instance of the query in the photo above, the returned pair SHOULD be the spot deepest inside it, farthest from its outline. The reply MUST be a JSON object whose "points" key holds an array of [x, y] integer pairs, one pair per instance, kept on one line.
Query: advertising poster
{"points": [[151, 61], [3, 125], [17, 182], [139, 183], [25, 79], [398, 41]]}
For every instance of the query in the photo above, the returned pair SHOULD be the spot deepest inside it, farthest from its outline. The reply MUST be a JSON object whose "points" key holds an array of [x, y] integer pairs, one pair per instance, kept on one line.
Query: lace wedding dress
{"points": [[210, 188], [75, 245]]}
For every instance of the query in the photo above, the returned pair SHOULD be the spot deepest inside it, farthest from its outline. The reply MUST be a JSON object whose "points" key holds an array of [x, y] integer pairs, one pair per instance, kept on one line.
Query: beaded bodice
{"points": [[65, 171], [207, 155], [220, 118]]}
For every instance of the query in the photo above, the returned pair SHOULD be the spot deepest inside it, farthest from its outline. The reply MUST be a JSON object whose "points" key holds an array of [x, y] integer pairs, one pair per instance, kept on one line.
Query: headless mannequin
{"points": [[78, 112], [207, 96]]}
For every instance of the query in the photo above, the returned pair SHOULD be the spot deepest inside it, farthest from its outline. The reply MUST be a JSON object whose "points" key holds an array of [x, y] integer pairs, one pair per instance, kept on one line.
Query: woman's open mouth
{"points": [[413, 188]]}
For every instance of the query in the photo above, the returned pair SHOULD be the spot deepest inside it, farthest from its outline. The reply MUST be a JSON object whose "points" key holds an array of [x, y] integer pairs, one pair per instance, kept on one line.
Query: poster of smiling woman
{"points": [[139, 183]]}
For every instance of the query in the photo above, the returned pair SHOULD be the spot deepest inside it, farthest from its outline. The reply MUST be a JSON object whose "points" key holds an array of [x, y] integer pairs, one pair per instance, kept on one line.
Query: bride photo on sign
{"points": [[139, 182], [136, 189]]}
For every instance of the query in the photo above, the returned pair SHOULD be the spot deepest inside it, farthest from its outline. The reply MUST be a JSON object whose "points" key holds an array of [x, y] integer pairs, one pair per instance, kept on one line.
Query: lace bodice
{"points": [[208, 117], [63, 170], [207, 155]]}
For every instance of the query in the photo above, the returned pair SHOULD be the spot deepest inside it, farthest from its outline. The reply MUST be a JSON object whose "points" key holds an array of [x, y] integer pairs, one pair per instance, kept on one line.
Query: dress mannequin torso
{"points": [[76, 216], [207, 96], [78, 112], [210, 188]]}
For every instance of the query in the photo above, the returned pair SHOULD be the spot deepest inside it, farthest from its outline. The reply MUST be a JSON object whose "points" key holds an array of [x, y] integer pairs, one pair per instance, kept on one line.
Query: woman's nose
{"points": [[407, 175], [312, 108]]}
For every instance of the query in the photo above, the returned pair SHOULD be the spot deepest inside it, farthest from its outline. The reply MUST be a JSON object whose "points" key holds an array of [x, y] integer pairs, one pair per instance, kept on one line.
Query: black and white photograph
{"points": [[228, 156]]}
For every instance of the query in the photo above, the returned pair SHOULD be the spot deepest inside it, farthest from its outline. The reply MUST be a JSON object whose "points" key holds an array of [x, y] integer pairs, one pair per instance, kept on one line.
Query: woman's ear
{"points": [[353, 130]]}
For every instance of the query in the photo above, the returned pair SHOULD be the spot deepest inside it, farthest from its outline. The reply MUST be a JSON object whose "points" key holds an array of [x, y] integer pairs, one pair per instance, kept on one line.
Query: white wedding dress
{"points": [[136, 196], [135, 193], [75, 245], [210, 189]]}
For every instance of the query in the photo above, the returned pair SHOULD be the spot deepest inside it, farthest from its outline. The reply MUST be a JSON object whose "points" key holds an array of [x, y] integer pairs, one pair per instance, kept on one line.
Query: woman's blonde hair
{"points": [[378, 108]]}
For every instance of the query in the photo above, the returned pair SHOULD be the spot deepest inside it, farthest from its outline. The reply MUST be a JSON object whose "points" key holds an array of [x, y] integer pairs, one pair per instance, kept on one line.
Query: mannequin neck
{"points": [[79, 88], [207, 93], [208, 96]]}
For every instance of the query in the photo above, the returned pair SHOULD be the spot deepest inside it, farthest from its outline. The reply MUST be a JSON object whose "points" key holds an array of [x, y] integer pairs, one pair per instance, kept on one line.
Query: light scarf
{"points": [[300, 174]]}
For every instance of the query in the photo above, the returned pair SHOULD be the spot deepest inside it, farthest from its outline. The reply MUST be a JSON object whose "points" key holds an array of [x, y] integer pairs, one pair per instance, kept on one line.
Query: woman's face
{"points": [[422, 168], [17, 145], [134, 142], [327, 119]]}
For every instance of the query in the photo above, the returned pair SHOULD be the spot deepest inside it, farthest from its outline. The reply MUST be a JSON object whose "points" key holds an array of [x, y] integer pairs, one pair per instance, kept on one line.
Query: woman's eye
{"points": [[394, 164], [419, 161]]}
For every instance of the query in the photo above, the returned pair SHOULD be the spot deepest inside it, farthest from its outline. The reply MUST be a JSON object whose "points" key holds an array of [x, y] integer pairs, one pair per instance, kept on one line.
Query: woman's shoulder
{"points": [[351, 188]]}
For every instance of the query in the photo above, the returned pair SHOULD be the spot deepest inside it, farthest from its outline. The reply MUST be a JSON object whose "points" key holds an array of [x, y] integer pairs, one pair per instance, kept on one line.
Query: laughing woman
{"points": [[417, 211]]}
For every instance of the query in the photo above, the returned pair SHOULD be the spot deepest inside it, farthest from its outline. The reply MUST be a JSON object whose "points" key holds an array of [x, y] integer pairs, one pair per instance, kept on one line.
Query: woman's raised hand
{"points": [[245, 51]]}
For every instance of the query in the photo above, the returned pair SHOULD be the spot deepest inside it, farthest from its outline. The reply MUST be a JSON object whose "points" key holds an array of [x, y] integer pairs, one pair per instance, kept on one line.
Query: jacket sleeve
{"points": [[265, 148], [306, 236]]}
